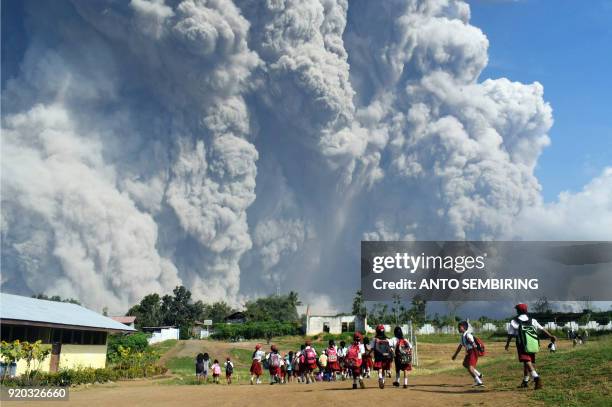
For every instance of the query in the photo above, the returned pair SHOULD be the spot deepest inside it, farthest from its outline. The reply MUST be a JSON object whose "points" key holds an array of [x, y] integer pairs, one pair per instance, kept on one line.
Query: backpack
{"points": [[332, 355], [383, 349], [479, 346], [275, 360], [266, 362], [353, 356], [310, 355], [404, 353], [229, 369], [528, 336]]}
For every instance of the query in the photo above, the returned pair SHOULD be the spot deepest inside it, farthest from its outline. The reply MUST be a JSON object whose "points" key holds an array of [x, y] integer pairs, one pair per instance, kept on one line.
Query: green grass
{"points": [[454, 338], [578, 376], [165, 346]]}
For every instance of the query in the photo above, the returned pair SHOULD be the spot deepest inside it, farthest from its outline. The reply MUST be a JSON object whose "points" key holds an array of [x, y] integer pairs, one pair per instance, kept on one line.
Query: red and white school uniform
{"points": [[395, 344], [471, 355], [335, 365], [274, 370], [312, 365], [379, 363], [256, 368], [513, 330]]}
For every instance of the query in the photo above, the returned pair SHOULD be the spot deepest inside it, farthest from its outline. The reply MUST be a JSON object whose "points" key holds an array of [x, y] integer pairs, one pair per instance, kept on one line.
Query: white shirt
{"points": [[342, 352], [393, 342], [259, 354], [467, 340], [513, 326]]}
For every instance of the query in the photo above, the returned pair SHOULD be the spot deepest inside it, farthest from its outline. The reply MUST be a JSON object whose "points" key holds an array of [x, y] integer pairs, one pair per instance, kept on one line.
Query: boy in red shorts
{"points": [[471, 355], [525, 330]]}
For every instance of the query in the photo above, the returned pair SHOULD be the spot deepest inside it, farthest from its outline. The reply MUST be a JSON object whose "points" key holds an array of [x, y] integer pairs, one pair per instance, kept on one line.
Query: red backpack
{"points": [[311, 356], [479, 346], [275, 360], [353, 356], [332, 356]]}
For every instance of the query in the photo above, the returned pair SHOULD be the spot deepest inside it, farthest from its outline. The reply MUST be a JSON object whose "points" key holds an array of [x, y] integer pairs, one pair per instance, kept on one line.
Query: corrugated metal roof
{"points": [[52, 312], [124, 319]]}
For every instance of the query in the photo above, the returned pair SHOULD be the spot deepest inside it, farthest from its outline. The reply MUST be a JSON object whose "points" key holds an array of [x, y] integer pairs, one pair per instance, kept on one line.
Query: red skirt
{"points": [[334, 366], [369, 362], [382, 364], [400, 367], [275, 371], [256, 368], [470, 359]]}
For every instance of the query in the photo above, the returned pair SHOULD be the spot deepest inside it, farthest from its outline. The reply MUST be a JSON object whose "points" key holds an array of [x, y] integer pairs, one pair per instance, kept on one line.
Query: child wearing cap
{"points": [[524, 329], [256, 370]]}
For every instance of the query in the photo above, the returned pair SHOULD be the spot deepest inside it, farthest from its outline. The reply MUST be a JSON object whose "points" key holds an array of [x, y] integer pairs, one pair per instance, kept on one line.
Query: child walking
{"points": [[310, 361], [289, 367], [471, 355], [403, 356], [354, 359], [383, 354], [216, 369], [256, 370], [229, 370], [202, 364], [274, 365], [341, 359], [333, 363], [525, 330]]}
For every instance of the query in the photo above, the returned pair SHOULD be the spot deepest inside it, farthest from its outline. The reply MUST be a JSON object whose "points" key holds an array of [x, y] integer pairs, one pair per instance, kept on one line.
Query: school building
{"points": [[76, 335]]}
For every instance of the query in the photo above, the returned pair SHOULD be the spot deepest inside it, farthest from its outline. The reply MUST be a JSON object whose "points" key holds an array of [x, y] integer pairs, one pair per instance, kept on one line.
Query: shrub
{"points": [[253, 330], [137, 342]]}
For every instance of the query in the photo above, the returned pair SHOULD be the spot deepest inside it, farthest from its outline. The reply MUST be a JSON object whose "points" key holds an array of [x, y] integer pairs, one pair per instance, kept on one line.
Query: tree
{"points": [[217, 311], [273, 308], [418, 311], [542, 306], [148, 312], [359, 306]]}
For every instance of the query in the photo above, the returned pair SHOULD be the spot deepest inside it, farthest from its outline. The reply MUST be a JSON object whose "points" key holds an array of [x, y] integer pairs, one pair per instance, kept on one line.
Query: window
{"points": [[33, 334], [345, 327], [87, 337], [99, 338], [56, 335], [5, 332], [351, 327], [66, 336], [18, 333], [326, 327]]}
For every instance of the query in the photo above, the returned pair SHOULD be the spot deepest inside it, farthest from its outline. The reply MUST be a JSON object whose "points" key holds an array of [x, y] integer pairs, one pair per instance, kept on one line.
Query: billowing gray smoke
{"points": [[236, 146]]}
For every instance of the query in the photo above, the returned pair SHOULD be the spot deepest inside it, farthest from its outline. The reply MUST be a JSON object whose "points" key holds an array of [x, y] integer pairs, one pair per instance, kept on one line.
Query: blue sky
{"points": [[567, 46]]}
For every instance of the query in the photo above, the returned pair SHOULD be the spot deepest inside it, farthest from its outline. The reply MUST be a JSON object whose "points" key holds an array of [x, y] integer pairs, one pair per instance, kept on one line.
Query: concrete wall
{"points": [[164, 335], [315, 323]]}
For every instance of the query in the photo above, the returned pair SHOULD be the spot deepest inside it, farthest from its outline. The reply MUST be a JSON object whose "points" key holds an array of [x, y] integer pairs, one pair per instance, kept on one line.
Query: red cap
{"points": [[258, 346], [521, 308], [357, 336], [380, 328]]}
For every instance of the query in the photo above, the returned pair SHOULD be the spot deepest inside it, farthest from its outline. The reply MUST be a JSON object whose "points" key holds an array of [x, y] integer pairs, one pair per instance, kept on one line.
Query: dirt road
{"points": [[430, 390]]}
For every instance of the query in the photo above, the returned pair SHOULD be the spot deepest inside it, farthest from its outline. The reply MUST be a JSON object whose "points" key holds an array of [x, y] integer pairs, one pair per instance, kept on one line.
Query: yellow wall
{"points": [[75, 356], [43, 367], [72, 357]]}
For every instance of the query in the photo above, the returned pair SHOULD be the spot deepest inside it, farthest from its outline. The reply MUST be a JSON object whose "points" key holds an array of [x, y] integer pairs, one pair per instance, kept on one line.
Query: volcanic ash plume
{"points": [[153, 143]]}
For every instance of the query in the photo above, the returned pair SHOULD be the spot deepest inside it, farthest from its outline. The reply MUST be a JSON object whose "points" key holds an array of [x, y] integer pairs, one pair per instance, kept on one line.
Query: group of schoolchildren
{"points": [[357, 359], [203, 366]]}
